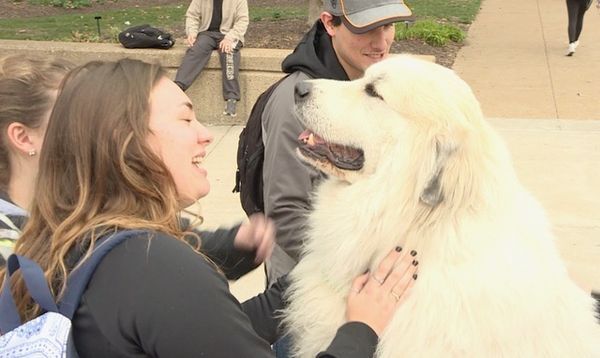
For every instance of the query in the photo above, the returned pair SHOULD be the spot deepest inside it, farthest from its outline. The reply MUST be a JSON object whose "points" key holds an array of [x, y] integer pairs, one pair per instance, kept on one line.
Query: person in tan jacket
{"points": [[215, 25]]}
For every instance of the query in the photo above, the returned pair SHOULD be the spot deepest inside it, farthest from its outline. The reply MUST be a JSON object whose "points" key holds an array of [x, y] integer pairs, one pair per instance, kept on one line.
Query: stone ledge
{"points": [[259, 69], [253, 59]]}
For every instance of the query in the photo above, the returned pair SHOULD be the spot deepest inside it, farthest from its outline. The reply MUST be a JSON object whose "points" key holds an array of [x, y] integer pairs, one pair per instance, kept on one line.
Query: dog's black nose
{"points": [[302, 90]]}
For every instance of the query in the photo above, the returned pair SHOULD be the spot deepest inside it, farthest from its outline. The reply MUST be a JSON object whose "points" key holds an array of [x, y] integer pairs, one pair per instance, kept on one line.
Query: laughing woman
{"points": [[28, 88], [124, 150]]}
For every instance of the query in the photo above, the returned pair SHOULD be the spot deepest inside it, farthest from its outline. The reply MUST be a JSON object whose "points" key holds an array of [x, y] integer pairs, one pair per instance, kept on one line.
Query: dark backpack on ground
{"points": [[48, 335], [250, 157], [146, 36]]}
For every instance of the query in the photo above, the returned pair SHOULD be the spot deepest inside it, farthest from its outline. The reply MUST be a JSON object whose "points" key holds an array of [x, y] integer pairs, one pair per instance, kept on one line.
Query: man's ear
{"points": [[20, 137], [432, 194], [326, 19]]}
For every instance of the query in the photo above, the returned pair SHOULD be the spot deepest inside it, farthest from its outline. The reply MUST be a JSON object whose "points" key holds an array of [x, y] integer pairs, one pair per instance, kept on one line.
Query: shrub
{"points": [[433, 33]]}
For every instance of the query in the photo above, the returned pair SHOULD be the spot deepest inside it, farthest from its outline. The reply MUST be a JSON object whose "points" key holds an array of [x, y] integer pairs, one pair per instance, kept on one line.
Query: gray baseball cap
{"points": [[361, 16]]}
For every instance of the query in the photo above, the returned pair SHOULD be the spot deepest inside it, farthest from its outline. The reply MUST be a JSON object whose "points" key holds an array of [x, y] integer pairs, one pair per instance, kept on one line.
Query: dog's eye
{"points": [[372, 92]]}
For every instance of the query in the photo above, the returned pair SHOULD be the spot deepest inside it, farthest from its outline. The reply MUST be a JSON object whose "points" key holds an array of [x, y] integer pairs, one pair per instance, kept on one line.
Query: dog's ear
{"points": [[432, 194]]}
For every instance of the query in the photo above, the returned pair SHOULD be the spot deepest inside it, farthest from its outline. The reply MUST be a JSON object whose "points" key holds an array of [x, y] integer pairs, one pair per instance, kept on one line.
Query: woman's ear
{"points": [[326, 19], [21, 137]]}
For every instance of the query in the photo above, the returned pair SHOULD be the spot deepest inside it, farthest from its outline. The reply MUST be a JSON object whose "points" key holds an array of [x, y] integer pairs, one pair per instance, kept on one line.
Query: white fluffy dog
{"points": [[412, 162]]}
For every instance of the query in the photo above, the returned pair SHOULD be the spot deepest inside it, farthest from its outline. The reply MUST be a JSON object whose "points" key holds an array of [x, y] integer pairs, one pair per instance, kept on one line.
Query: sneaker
{"points": [[571, 49], [230, 109], [575, 44]]}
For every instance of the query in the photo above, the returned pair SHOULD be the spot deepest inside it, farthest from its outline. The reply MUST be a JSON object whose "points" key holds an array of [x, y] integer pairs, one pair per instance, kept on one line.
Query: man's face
{"points": [[356, 52]]}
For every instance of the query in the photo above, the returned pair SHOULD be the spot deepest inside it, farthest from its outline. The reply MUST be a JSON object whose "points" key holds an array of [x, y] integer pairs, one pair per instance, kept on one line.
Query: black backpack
{"points": [[250, 157], [146, 36]]}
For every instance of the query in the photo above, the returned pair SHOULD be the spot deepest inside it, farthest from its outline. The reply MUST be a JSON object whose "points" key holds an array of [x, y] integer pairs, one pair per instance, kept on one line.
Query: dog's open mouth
{"points": [[341, 156]]}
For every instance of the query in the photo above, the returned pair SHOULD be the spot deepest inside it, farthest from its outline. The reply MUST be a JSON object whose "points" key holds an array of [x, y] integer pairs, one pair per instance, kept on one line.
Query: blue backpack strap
{"points": [[36, 284], [79, 278]]}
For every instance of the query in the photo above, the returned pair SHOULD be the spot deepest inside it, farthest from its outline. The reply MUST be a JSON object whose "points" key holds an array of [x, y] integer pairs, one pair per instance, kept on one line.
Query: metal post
{"points": [[98, 24]]}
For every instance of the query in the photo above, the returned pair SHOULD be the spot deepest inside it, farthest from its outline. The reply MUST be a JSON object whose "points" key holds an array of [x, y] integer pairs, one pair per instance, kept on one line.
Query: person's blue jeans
{"points": [[282, 347]]}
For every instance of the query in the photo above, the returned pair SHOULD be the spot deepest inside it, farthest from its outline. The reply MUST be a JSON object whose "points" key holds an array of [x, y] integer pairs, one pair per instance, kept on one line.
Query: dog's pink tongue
{"points": [[304, 135], [308, 137]]}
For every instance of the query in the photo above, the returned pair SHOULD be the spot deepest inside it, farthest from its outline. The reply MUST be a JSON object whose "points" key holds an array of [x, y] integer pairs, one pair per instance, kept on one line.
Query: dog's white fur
{"points": [[491, 282]]}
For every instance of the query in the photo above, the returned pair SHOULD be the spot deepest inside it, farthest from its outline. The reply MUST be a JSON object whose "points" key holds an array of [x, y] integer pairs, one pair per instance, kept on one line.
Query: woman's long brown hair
{"points": [[97, 173]]}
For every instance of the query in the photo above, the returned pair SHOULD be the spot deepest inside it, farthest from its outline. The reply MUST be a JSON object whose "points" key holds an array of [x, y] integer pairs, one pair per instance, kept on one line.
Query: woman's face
{"points": [[179, 139]]}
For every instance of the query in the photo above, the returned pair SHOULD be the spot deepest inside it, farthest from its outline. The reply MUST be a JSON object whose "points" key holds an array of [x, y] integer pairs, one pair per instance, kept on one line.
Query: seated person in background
{"points": [[127, 138], [28, 86], [211, 25]]}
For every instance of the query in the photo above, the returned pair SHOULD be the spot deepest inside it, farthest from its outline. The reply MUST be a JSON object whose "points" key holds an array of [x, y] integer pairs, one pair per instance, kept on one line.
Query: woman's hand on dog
{"points": [[257, 234], [374, 297]]}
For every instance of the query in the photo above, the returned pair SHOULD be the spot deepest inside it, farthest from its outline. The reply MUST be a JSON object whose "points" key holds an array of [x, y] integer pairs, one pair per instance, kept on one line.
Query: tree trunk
{"points": [[314, 10]]}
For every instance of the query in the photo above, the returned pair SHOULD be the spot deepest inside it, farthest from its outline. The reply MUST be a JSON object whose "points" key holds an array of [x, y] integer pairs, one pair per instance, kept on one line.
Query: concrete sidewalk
{"points": [[558, 161], [514, 59]]}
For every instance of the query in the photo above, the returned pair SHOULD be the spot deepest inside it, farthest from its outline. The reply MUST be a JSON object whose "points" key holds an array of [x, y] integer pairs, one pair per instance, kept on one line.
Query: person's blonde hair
{"points": [[27, 85], [97, 173]]}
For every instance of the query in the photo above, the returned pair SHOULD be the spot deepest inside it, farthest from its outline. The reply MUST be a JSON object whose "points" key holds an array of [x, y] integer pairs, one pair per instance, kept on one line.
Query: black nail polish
{"points": [[415, 262], [415, 276], [413, 253], [398, 249]]}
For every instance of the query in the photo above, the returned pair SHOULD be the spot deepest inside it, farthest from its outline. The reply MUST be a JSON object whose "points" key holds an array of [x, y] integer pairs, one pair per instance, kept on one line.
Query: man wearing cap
{"points": [[348, 37]]}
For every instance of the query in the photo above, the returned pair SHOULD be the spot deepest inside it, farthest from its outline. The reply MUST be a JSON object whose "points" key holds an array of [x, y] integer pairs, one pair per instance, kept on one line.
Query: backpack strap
{"points": [[36, 284], [250, 156], [8, 222], [78, 278]]}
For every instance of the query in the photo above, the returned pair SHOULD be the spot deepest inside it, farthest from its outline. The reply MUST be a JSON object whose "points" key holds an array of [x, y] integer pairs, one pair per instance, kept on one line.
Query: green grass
{"points": [[68, 4], [278, 13], [456, 11], [439, 21], [83, 28], [432, 32]]}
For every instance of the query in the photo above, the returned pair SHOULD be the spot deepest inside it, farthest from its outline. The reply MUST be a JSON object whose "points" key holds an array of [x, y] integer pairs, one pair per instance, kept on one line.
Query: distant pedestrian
{"points": [[215, 25], [576, 10]]}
